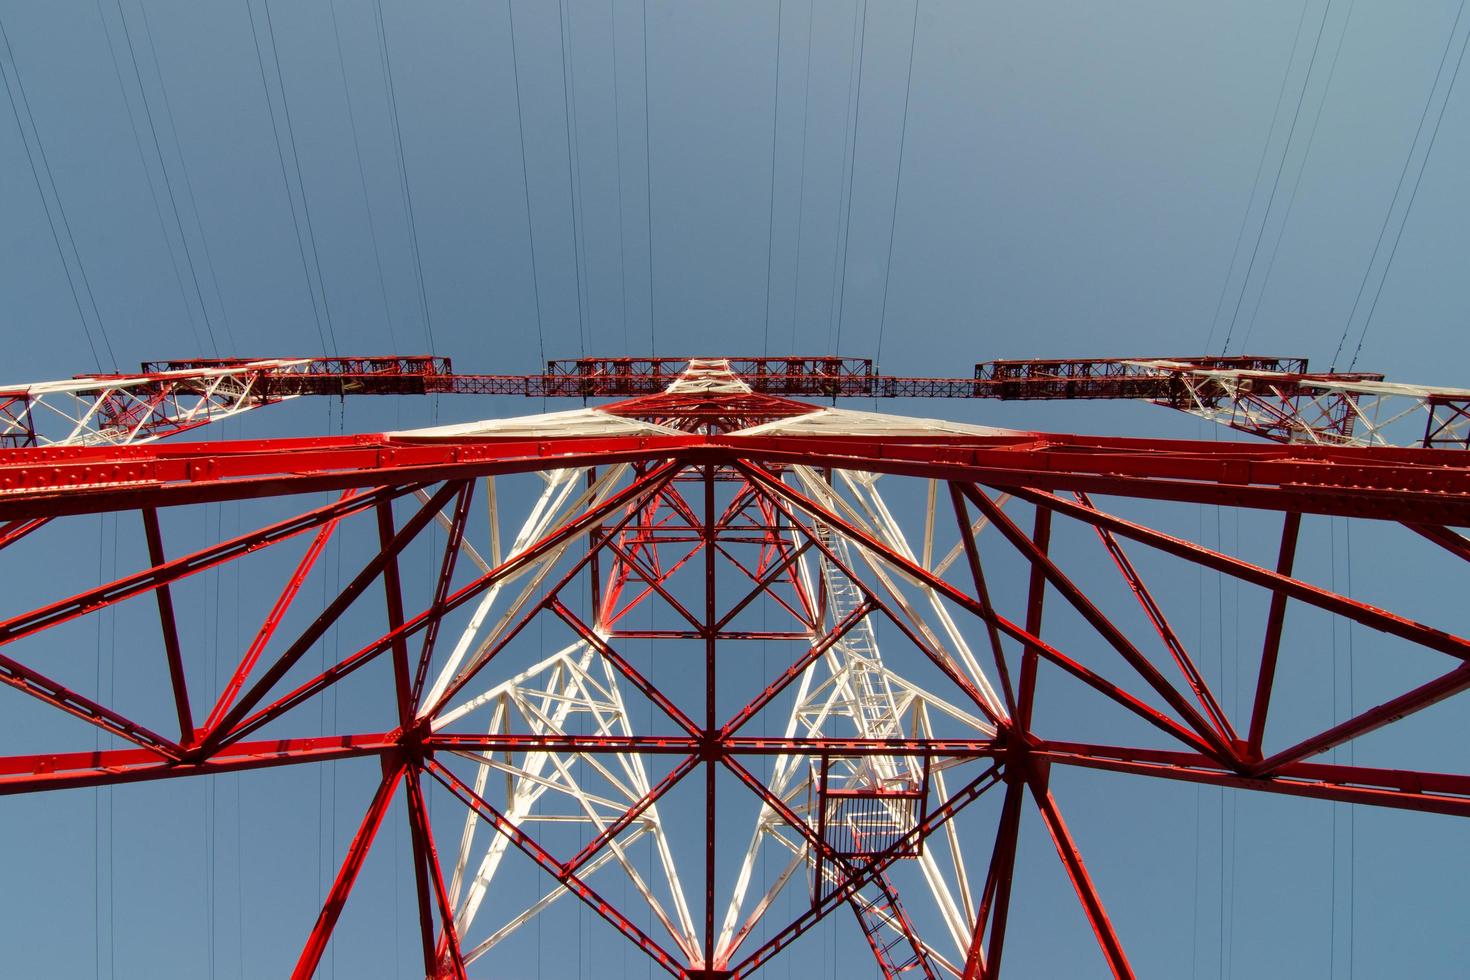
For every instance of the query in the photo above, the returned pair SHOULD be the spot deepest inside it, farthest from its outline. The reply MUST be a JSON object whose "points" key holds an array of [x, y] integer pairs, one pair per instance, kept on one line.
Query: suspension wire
{"points": [[239, 846], [1250, 202], [336, 692], [841, 188], [211, 785], [903, 134], [1291, 196], [1352, 811], [648, 730], [367, 203], [771, 212], [1296, 115], [240, 948], [56, 233], [321, 775], [97, 790], [168, 115], [147, 174], [321, 281], [163, 166], [526, 185], [574, 174], [1220, 656], [857, 110], [618, 167], [1333, 807], [111, 801], [286, 182], [1199, 573], [1414, 191], [648, 187], [413, 232], [1235, 709], [806, 101]]}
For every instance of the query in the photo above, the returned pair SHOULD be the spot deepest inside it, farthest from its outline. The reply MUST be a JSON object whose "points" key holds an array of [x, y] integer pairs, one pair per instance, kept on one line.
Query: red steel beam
{"points": [[1417, 486], [1161, 626], [162, 574], [966, 602], [357, 852], [170, 629], [650, 482], [1427, 792], [1102, 926], [105, 767], [404, 632], [799, 666], [1453, 542], [393, 598], [819, 910], [273, 619], [1426, 694], [1275, 617], [329, 615], [13, 531], [1098, 620], [442, 584], [1422, 489], [570, 880], [1359, 612], [984, 963], [429, 880], [957, 748], [589, 851], [982, 595], [1035, 606]]}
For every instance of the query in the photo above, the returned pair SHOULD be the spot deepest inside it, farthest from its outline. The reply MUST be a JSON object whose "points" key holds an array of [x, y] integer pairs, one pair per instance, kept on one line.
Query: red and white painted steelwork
{"points": [[709, 492]]}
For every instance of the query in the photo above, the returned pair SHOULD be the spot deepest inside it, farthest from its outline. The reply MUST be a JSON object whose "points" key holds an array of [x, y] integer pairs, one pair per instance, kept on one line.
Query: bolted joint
{"points": [[711, 748], [1021, 764]]}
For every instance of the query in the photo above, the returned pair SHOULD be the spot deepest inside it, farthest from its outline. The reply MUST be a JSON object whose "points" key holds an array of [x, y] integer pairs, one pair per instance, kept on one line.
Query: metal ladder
{"points": [[888, 929], [876, 712]]}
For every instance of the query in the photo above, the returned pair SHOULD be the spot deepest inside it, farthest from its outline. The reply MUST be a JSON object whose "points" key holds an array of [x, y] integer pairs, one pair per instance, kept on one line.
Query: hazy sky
{"points": [[1040, 179]]}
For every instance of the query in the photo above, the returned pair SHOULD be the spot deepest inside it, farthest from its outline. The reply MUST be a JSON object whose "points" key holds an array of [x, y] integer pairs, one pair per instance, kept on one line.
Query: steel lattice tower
{"points": [[745, 515]]}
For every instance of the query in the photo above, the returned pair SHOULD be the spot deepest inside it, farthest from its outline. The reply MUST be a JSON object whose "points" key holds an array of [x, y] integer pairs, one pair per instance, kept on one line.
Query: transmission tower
{"points": [[577, 674]]}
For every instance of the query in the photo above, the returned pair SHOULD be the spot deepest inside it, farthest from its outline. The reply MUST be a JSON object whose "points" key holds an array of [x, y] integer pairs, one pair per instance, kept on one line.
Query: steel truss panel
{"points": [[1272, 397], [881, 746]]}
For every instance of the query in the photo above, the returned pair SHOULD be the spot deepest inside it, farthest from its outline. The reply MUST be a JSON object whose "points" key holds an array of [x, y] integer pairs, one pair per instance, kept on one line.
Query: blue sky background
{"points": [[1076, 179]]}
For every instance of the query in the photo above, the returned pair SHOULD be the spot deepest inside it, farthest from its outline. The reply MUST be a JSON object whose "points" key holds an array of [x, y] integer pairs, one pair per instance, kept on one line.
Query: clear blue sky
{"points": [[1077, 179]]}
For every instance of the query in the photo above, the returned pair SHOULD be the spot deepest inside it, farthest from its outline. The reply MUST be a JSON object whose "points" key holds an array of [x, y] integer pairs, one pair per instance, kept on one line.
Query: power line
{"points": [[897, 182], [1423, 115], [574, 172], [526, 183], [1291, 196], [618, 166], [806, 99], [286, 180], [163, 166], [648, 181], [771, 213], [857, 110], [1256, 182], [60, 208], [1280, 169], [362, 179], [1413, 193], [168, 115], [321, 282], [853, 71], [403, 181], [173, 258]]}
